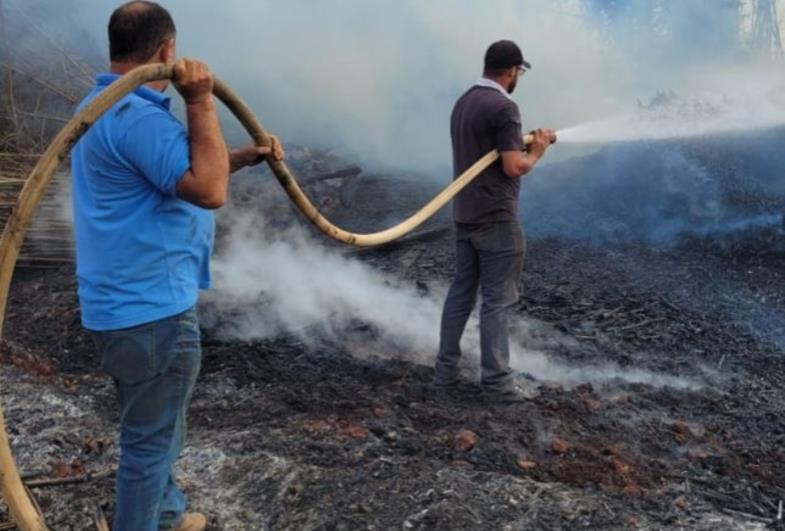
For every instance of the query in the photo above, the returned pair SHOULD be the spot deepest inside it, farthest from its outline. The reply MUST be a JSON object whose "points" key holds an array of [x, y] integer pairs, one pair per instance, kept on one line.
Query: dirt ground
{"points": [[285, 435]]}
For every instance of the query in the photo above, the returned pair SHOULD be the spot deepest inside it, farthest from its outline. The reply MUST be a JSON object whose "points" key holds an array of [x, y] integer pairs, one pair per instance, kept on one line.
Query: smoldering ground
{"points": [[271, 282]]}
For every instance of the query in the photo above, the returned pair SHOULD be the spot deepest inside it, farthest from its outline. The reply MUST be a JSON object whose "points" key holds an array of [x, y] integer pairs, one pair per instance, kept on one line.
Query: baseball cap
{"points": [[504, 54]]}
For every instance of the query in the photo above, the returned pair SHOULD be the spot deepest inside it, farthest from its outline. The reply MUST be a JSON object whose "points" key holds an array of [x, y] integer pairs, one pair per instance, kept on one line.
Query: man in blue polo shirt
{"points": [[143, 191]]}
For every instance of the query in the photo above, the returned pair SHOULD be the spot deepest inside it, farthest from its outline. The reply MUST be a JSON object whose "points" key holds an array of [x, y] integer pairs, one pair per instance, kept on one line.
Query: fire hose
{"points": [[24, 512]]}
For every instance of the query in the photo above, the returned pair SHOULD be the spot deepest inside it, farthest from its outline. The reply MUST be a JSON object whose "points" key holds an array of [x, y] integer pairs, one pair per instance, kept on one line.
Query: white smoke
{"points": [[284, 282], [269, 282]]}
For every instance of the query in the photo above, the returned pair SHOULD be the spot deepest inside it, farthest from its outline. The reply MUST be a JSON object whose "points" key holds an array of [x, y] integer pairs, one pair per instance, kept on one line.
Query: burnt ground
{"points": [[285, 435]]}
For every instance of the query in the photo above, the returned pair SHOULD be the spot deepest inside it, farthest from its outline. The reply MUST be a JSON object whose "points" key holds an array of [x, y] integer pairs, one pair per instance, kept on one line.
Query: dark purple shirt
{"points": [[485, 119]]}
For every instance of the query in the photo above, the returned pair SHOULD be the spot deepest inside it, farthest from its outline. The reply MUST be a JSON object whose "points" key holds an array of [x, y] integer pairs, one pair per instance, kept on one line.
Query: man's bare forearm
{"points": [[236, 161], [243, 157], [251, 155], [529, 160], [209, 156], [518, 163]]}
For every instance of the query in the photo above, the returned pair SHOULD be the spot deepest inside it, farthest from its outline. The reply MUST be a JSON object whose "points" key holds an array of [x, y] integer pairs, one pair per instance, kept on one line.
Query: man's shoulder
{"points": [[488, 98], [134, 107], [130, 109]]}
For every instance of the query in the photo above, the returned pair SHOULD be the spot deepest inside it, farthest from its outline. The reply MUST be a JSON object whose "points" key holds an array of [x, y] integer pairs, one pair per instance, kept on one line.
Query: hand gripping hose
{"points": [[23, 510]]}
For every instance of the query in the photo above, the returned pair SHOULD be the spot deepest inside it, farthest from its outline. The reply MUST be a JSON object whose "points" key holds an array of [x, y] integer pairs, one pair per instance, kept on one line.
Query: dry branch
{"points": [[56, 482], [71, 98], [84, 70]]}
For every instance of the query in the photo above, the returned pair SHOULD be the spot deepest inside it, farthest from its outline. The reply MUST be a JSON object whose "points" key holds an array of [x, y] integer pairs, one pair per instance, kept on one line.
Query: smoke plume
{"points": [[272, 282]]}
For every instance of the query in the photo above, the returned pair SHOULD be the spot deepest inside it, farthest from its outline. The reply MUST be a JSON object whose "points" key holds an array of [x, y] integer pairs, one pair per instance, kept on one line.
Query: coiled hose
{"points": [[24, 512]]}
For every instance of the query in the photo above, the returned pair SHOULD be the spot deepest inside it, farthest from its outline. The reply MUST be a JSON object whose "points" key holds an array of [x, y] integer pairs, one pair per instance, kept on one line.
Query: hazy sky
{"points": [[378, 78]]}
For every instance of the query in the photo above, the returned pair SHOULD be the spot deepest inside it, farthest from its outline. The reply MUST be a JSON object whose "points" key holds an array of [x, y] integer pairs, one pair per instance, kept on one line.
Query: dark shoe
{"points": [[444, 385], [455, 388], [521, 390], [504, 396]]}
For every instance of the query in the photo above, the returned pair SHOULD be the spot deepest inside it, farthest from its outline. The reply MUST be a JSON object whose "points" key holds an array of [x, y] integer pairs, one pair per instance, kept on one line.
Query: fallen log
{"points": [[351, 171]]}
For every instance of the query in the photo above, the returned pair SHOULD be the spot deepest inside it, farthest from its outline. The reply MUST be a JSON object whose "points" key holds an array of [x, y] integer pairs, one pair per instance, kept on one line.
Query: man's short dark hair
{"points": [[136, 31]]}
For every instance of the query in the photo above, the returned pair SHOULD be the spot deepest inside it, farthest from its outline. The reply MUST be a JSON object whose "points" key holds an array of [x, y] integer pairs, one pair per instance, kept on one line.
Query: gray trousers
{"points": [[489, 258]]}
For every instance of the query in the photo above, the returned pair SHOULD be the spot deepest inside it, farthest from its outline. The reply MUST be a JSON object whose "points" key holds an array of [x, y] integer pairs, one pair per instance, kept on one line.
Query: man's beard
{"points": [[513, 85]]}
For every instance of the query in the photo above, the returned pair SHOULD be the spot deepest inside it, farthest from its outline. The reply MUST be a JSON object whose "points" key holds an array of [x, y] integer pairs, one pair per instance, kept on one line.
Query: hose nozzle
{"points": [[528, 139]]}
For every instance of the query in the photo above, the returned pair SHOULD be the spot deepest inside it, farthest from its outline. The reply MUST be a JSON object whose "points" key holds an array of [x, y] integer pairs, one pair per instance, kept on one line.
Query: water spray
{"points": [[689, 117]]}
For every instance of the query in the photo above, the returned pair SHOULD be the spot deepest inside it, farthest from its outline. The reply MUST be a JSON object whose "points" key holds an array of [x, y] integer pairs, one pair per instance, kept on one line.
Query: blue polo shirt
{"points": [[142, 254]]}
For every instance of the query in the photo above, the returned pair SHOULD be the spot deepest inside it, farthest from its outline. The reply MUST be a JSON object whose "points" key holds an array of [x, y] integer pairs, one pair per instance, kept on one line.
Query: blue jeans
{"points": [[154, 367], [489, 258]]}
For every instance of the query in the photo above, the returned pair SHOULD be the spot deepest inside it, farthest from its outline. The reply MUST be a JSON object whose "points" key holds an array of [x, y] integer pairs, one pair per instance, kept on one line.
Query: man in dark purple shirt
{"points": [[490, 242]]}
